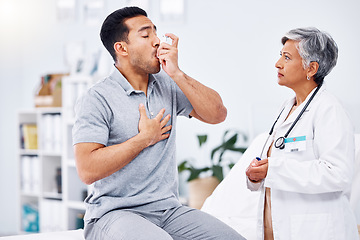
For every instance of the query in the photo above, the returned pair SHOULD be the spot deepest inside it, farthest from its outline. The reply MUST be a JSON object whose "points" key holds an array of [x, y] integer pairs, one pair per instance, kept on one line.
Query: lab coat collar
{"points": [[291, 102]]}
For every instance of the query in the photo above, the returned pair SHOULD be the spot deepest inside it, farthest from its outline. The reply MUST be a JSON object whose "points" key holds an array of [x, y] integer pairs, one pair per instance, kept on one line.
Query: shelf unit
{"points": [[75, 191], [38, 169], [44, 205]]}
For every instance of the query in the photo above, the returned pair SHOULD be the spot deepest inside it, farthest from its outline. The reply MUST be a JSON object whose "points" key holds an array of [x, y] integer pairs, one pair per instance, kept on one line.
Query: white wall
{"points": [[229, 45]]}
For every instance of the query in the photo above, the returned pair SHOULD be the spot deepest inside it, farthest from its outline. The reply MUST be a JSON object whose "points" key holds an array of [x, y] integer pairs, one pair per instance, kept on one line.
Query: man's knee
{"points": [[124, 225]]}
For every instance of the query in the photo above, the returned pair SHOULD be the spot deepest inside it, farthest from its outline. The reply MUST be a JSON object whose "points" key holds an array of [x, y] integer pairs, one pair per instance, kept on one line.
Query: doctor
{"points": [[305, 171]]}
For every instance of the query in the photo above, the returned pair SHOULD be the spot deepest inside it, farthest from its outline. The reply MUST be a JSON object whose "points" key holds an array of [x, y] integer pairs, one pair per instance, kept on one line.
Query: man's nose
{"points": [[157, 41]]}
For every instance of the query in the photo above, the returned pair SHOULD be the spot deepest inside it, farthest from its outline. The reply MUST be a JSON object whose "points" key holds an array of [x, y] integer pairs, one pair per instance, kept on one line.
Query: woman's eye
{"points": [[145, 36], [287, 58]]}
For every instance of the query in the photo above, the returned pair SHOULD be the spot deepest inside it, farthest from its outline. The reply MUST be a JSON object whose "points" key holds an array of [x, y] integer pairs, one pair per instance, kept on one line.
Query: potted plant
{"points": [[201, 187]]}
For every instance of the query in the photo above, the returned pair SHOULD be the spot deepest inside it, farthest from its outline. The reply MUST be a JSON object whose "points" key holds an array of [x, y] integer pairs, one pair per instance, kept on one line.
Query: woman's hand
{"points": [[257, 170]]}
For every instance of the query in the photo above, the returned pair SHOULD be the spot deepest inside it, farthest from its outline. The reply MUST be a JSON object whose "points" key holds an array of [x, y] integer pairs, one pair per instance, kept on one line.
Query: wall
{"points": [[229, 45]]}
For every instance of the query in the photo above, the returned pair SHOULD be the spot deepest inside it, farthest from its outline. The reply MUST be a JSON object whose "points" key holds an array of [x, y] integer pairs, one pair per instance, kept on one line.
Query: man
{"points": [[124, 138]]}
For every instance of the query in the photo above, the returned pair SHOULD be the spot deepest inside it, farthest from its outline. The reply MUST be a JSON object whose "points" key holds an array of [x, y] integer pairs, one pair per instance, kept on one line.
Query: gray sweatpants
{"points": [[181, 223]]}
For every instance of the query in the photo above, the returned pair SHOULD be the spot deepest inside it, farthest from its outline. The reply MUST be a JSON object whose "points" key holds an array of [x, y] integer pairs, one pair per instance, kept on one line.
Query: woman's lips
{"points": [[280, 75]]}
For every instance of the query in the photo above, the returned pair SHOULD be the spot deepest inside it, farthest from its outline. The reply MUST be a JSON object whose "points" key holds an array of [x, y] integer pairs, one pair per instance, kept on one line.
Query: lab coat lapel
{"points": [[282, 120], [296, 113]]}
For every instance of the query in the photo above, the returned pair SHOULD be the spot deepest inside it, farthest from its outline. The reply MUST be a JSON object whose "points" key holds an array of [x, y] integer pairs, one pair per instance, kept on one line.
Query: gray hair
{"points": [[315, 46]]}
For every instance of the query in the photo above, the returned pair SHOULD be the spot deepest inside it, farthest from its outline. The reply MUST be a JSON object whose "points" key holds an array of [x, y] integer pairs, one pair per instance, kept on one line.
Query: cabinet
{"points": [[51, 194]]}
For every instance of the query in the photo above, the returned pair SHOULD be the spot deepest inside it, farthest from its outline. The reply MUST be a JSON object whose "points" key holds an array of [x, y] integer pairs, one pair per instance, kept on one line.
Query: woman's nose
{"points": [[278, 64]]}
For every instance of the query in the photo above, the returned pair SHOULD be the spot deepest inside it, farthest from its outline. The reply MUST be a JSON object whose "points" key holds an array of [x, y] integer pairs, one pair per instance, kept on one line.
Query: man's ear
{"points": [[121, 48], [313, 68]]}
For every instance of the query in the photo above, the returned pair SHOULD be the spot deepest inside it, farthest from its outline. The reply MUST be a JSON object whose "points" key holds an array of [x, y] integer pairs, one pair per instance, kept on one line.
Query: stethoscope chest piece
{"points": [[280, 143]]}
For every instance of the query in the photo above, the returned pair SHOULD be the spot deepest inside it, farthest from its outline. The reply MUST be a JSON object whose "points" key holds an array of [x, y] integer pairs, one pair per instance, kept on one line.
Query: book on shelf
{"points": [[30, 218], [28, 138], [73, 90], [51, 132], [30, 174], [51, 215]]}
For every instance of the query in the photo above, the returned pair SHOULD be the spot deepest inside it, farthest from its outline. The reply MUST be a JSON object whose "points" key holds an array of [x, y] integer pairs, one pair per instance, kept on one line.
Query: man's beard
{"points": [[145, 66]]}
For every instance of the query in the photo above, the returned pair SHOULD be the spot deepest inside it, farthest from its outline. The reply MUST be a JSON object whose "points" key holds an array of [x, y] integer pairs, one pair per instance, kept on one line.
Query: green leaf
{"points": [[202, 139], [182, 166], [225, 133], [235, 149], [231, 141], [195, 172], [228, 142], [221, 155], [214, 151], [218, 172]]}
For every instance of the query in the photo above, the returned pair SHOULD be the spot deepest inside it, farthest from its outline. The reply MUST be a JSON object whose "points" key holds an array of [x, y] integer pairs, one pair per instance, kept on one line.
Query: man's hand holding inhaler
{"points": [[168, 54]]}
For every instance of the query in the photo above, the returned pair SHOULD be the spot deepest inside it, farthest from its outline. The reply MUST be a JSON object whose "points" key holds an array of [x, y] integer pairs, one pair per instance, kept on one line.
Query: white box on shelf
{"points": [[35, 174], [26, 174], [51, 215], [57, 133]]}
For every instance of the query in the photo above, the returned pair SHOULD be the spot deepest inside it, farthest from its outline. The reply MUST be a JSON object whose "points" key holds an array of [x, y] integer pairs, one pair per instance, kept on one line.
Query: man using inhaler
{"points": [[124, 138]]}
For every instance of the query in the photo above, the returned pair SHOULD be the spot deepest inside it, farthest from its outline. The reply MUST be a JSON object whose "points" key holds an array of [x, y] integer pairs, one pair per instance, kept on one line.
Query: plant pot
{"points": [[200, 189]]}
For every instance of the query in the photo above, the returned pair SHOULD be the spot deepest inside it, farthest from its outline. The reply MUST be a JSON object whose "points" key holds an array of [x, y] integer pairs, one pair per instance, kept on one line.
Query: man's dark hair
{"points": [[114, 30]]}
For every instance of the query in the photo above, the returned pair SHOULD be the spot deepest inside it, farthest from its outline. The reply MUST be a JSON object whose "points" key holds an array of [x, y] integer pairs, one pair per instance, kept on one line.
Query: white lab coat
{"points": [[310, 187]]}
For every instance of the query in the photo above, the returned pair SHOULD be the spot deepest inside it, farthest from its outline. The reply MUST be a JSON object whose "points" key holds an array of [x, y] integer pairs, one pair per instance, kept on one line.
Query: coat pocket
{"points": [[311, 226]]}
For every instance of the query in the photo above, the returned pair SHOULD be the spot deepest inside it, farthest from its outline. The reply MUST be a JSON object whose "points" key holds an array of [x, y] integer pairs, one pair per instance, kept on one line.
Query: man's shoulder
{"points": [[104, 86], [163, 78], [161, 75]]}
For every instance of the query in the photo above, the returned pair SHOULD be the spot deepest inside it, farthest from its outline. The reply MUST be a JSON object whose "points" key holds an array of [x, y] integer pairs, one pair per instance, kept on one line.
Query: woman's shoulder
{"points": [[329, 106], [328, 100]]}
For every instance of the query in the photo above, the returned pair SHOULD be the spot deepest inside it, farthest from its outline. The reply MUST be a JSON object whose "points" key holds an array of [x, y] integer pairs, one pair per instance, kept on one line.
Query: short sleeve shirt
{"points": [[108, 113]]}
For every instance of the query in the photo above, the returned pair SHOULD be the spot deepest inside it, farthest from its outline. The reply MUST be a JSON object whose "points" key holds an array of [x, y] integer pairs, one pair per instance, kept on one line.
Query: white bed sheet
{"points": [[232, 202], [64, 235]]}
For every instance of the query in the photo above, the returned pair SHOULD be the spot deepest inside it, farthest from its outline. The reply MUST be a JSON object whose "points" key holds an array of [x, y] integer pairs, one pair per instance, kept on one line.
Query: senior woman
{"points": [[305, 170]]}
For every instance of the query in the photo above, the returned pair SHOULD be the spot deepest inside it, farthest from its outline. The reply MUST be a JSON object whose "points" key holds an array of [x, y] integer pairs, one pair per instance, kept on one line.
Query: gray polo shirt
{"points": [[108, 113]]}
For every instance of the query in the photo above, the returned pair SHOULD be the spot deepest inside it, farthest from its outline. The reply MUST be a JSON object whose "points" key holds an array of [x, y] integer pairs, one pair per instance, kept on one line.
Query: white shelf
{"points": [[39, 152], [76, 205], [52, 157], [70, 121], [50, 154], [73, 188], [71, 163], [52, 195], [30, 194], [28, 152], [50, 110]]}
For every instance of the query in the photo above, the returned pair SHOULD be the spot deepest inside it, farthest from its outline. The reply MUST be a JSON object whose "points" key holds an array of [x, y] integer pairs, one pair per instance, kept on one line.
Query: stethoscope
{"points": [[280, 142]]}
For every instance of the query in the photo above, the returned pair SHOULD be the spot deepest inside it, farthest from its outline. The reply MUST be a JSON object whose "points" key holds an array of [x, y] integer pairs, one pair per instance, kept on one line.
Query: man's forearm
{"points": [[101, 162], [206, 102]]}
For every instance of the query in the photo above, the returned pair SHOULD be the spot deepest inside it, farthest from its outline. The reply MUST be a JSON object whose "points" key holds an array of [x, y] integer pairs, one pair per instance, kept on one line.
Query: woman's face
{"points": [[290, 67]]}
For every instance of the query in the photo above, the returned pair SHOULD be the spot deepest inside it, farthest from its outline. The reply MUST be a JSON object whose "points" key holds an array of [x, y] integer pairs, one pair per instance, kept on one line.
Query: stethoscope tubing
{"points": [[280, 142]]}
